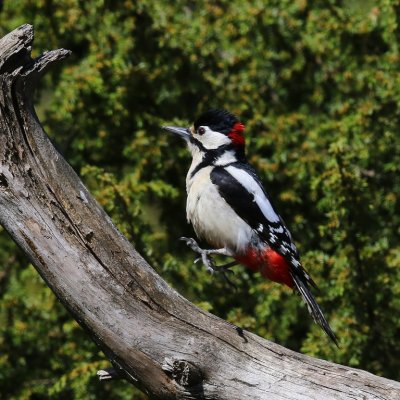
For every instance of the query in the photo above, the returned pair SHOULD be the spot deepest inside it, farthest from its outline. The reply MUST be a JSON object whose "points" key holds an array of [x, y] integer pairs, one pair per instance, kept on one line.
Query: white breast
{"points": [[211, 216]]}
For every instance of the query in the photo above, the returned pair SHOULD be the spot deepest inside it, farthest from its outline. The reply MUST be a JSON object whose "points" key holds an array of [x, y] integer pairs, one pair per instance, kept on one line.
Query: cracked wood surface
{"points": [[155, 338]]}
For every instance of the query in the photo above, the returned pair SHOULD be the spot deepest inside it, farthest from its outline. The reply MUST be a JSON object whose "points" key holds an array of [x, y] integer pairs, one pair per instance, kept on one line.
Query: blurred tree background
{"points": [[317, 84]]}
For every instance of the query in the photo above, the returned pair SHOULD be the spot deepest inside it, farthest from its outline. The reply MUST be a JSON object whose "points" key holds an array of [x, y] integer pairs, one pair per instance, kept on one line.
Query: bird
{"points": [[229, 208]]}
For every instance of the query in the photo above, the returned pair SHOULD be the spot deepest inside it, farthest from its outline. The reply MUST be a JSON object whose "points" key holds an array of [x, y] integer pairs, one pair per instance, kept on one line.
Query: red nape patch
{"points": [[237, 134], [271, 264]]}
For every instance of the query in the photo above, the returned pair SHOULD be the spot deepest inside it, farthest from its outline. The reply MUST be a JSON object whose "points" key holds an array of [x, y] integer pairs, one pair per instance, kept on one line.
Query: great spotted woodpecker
{"points": [[229, 208]]}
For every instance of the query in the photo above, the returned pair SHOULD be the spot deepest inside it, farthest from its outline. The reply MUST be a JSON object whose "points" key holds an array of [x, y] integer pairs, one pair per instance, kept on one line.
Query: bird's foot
{"points": [[208, 262], [204, 254], [225, 267]]}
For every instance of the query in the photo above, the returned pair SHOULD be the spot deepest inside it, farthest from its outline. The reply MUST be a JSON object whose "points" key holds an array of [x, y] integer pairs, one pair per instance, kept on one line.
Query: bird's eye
{"points": [[201, 131]]}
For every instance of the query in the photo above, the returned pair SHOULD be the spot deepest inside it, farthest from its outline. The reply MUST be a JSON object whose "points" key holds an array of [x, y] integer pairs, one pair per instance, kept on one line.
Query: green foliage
{"points": [[317, 84]]}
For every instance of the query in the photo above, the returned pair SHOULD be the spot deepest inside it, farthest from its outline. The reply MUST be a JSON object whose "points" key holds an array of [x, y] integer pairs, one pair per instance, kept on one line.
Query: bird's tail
{"points": [[313, 307]]}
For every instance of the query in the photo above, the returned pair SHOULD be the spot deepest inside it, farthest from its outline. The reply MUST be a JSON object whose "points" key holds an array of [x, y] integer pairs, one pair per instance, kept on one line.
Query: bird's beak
{"points": [[182, 132]]}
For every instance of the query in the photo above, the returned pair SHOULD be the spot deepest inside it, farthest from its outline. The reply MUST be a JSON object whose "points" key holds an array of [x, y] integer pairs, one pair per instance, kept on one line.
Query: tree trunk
{"points": [[154, 337]]}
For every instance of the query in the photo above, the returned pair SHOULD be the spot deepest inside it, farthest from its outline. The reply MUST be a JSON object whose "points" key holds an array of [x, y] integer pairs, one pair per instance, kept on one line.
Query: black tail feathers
{"points": [[313, 307]]}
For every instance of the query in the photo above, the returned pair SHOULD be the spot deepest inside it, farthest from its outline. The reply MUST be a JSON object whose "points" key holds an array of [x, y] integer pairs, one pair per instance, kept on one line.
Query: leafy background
{"points": [[317, 84]]}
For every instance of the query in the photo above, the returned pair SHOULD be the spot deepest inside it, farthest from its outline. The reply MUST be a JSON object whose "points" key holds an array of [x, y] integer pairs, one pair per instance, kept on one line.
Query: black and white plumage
{"points": [[230, 209]]}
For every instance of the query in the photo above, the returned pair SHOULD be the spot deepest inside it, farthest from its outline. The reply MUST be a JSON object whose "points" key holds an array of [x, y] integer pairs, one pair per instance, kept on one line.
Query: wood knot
{"points": [[183, 372], [3, 181], [89, 236]]}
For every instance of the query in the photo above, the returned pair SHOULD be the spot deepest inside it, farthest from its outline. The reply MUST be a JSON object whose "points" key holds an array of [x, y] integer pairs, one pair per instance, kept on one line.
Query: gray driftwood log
{"points": [[154, 337]]}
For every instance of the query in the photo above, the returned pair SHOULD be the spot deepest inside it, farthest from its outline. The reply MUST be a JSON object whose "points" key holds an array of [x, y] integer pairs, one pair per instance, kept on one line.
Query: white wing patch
{"points": [[277, 230], [250, 184]]}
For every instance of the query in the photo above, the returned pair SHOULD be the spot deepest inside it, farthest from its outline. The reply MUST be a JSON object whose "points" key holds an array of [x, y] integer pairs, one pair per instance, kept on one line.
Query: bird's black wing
{"points": [[241, 188]]}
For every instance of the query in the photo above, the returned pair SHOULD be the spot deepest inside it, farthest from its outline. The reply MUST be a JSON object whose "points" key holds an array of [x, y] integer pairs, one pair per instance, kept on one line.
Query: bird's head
{"points": [[215, 129]]}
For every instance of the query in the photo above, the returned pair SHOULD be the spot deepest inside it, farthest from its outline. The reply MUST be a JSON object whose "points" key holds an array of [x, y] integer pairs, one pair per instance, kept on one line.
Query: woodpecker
{"points": [[230, 209]]}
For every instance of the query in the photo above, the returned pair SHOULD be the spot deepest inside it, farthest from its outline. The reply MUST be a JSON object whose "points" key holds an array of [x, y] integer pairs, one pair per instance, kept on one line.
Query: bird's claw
{"points": [[222, 268], [192, 244], [207, 261], [204, 257]]}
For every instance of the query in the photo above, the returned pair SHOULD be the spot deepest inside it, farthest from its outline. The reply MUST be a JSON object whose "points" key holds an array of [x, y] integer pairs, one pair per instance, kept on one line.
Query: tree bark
{"points": [[154, 337]]}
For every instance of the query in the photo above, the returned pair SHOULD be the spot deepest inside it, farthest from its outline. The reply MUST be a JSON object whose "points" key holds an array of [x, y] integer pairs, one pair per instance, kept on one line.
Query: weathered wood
{"points": [[154, 337]]}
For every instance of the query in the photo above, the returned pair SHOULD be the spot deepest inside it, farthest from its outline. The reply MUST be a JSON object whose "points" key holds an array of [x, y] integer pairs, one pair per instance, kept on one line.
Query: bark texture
{"points": [[154, 337]]}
